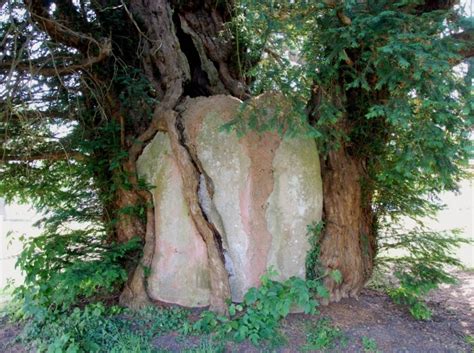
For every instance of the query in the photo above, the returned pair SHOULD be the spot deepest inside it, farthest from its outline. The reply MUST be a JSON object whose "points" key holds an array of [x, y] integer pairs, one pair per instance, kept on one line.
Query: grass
{"points": [[470, 341], [369, 345], [324, 336], [208, 346]]}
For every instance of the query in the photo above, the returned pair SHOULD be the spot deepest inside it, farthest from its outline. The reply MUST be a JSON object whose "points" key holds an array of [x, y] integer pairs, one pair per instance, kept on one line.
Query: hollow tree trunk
{"points": [[184, 52], [348, 240]]}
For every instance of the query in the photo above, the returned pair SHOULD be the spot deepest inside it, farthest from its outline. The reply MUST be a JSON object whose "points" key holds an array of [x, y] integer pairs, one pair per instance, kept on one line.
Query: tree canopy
{"points": [[385, 88]]}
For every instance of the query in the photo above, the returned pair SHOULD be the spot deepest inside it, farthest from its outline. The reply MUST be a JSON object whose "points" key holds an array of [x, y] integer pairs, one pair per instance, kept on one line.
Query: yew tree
{"points": [[385, 88]]}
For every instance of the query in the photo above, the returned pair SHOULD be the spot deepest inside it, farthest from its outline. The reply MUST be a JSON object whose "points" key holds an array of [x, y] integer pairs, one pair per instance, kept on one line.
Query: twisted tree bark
{"points": [[184, 53]]}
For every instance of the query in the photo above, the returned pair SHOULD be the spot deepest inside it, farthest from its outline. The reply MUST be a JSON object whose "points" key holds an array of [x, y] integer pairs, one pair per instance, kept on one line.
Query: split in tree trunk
{"points": [[191, 176]]}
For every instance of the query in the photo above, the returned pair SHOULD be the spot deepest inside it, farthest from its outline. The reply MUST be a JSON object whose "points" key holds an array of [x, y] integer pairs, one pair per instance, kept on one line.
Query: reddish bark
{"points": [[348, 240]]}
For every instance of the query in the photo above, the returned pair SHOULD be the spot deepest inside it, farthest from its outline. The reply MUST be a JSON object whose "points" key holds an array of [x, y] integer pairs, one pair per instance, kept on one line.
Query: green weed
{"points": [[257, 317], [208, 346], [369, 345], [324, 336]]}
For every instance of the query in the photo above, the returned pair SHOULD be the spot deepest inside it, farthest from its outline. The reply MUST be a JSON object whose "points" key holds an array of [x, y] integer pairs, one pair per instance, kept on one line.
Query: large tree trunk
{"points": [[182, 55], [184, 52], [184, 49], [348, 239]]}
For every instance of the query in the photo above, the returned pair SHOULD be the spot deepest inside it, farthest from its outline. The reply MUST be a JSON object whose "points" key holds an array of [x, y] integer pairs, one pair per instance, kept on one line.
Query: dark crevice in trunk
{"points": [[191, 178], [203, 183], [198, 85]]}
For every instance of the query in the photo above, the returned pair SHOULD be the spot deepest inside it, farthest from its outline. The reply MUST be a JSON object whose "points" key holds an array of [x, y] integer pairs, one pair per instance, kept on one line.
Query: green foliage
{"points": [[262, 309], [64, 268], [324, 336], [384, 85], [419, 260], [314, 268], [470, 340], [78, 331], [96, 328], [369, 345]]}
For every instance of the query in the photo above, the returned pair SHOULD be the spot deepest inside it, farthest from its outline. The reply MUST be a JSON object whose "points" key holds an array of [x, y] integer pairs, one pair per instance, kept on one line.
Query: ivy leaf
{"points": [[336, 275]]}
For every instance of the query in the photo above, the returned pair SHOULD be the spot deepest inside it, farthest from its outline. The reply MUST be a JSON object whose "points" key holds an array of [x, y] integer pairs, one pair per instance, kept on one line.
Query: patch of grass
{"points": [[324, 336], [208, 346], [129, 342], [470, 341], [369, 345], [158, 321]]}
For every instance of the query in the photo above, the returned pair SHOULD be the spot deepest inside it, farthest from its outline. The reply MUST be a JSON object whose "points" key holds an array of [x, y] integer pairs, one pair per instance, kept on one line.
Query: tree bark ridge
{"points": [[348, 239], [219, 278]]}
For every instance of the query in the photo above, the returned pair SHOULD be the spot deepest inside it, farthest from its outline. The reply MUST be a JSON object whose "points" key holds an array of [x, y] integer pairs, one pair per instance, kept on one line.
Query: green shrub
{"points": [[63, 270], [258, 316], [97, 328]]}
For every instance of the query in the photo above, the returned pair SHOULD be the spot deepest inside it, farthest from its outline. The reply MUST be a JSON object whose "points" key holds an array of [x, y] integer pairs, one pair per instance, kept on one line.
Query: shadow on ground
{"points": [[373, 316]]}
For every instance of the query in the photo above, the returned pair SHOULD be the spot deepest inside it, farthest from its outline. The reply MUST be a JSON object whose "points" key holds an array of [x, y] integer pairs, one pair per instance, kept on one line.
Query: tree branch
{"points": [[57, 31], [35, 68], [50, 156], [467, 38], [32, 115]]}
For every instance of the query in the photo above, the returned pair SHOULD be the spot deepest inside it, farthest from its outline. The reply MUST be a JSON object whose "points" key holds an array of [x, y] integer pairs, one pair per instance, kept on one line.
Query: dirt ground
{"points": [[373, 315]]}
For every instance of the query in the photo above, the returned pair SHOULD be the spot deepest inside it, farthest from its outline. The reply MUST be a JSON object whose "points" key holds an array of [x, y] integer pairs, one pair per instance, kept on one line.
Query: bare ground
{"points": [[373, 315]]}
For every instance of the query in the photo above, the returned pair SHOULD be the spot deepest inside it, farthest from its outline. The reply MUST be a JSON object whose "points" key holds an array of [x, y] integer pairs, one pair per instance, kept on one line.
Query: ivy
{"points": [[314, 268]]}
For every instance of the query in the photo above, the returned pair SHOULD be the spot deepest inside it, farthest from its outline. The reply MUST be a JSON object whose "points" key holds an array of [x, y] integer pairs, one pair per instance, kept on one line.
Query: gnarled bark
{"points": [[191, 175], [183, 53], [348, 240]]}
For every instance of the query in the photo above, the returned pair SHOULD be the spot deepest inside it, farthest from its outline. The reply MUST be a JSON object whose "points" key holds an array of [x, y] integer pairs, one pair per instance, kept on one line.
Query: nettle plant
{"points": [[257, 318]]}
